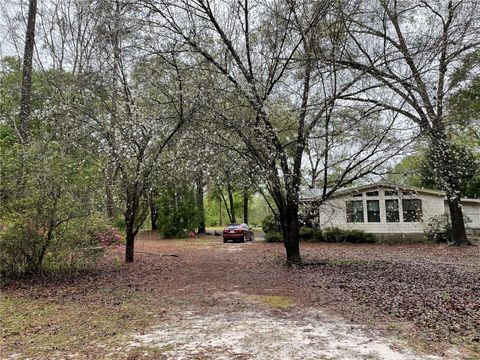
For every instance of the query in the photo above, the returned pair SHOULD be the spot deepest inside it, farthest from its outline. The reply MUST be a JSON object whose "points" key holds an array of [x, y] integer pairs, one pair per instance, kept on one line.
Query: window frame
{"points": [[377, 218], [418, 211], [388, 212], [351, 214]]}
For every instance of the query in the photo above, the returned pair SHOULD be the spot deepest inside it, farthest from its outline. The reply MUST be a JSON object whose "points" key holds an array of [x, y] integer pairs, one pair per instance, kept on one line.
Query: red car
{"points": [[237, 232]]}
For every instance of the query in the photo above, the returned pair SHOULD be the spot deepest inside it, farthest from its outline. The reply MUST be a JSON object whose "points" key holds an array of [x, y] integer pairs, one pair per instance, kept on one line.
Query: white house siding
{"points": [[334, 213], [471, 209]]}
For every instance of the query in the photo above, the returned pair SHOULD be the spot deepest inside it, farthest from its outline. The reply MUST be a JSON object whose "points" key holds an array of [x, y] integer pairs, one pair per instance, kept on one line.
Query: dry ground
{"points": [[239, 301]]}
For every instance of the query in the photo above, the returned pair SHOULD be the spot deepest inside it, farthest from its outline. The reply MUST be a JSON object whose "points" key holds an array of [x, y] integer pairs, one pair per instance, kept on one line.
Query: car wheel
{"points": [[224, 240], [252, 238], [243, 239]]}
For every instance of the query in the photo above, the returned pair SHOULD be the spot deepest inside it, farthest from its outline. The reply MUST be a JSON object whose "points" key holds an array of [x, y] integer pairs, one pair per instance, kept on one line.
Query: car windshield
{"points": [[233, 226]]}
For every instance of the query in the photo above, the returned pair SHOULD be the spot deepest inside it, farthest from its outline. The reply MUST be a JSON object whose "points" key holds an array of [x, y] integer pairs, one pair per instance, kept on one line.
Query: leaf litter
{"points": [[240, 301]]}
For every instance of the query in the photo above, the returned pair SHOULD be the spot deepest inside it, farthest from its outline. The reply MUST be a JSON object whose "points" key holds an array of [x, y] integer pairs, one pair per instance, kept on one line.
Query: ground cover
{"points": [[214, 300]]}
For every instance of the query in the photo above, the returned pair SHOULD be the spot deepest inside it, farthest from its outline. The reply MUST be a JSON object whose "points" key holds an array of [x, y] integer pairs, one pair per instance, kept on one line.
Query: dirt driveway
{"points": [[239, 301]]}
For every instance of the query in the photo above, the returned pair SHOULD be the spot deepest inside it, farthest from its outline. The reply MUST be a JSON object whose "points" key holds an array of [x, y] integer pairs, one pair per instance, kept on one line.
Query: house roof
{"points": [[315, 193], [384, 185]]}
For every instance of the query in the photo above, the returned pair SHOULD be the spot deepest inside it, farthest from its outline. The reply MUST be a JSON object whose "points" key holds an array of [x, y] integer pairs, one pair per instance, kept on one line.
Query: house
{"points": [[389, 210]]}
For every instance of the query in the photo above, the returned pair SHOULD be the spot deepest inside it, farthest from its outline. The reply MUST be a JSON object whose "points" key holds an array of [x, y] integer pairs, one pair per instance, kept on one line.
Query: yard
{"points": [[239, 301]]}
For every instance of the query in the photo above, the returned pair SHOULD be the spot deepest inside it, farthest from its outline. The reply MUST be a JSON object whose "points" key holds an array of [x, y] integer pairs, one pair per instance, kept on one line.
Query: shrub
{"points": [[317, 236], [47, 196], [310, 234], [336, 235], [77, 246], [177, 215], [271, 224], [439, 229], [27, 246], [107, 236], [274, 236], [119, 222], [305, 233], [21, 247]]}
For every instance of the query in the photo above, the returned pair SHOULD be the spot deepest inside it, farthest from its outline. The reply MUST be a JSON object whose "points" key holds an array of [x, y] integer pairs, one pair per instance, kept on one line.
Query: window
{"points": [[412, 210], [391, 210], [373, 210], [358, 195], [355, 211], [391, 193], [372, 193]]}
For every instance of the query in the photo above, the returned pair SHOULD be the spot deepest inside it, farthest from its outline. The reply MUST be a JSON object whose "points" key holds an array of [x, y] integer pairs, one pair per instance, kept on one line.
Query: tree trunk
{"points": [[233, 219], [153, 211], [220, 216], [200, 205], [459, 234], [290, 228], [26, 90], [130, 243], [109, 202], [245, 206], [444, 156], [130, 231]]}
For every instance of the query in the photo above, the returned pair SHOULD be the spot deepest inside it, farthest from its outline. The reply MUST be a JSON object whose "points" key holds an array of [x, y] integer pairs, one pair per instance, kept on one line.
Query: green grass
{"points": [[276, 301]]}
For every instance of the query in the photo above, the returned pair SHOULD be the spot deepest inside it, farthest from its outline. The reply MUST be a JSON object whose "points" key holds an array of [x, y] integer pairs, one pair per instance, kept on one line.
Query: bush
{"points": [[21, 247], [47, 194], [439, 229], [336, 235], [77, 246], [28, 247], [305, 233], [103, 233], [271, 224], [274, 237], [119, 222], [310, 234], [108, 236], [177, 215], [317, 236]]}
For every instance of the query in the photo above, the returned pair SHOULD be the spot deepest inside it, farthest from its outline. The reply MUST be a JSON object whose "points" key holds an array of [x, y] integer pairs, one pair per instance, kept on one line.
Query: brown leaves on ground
{"points": [[432, 291], [435, 287]]}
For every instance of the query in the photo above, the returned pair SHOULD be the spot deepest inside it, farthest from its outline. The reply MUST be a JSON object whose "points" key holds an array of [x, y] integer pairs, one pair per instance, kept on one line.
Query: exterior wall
{"points": [[334, 213], [471, 209]]}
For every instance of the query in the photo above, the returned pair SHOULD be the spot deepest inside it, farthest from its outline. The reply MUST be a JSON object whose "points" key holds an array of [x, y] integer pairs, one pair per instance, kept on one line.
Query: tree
{"points": [[410, 71], [47, 185], [176, 207], [418, 170], [200, 203], [154, 100], [137, 157], [246, 198], [26, 89], [270, 66]]}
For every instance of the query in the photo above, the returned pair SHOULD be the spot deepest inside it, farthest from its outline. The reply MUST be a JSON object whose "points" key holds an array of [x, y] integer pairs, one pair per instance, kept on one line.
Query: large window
{"points": [[355, 211], [391, 193], [391, 209], [373, 210], [412, 210]]}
